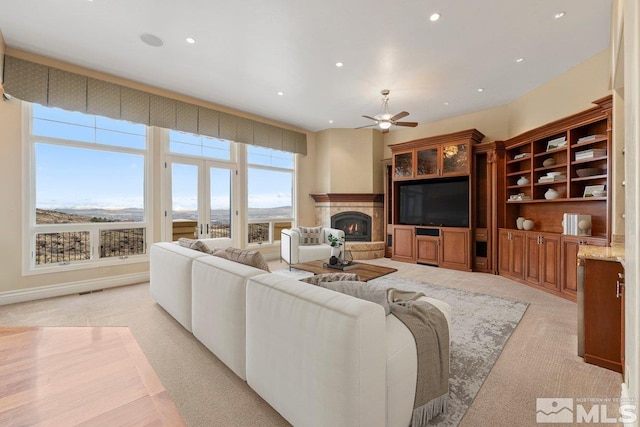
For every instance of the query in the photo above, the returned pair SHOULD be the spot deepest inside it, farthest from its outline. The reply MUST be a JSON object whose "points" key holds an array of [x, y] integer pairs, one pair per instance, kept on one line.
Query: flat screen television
{"points": [[437, 202]]}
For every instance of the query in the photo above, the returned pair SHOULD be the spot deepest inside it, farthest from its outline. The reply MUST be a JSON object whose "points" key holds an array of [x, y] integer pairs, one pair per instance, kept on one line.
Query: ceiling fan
{"points": [[384, 120]]}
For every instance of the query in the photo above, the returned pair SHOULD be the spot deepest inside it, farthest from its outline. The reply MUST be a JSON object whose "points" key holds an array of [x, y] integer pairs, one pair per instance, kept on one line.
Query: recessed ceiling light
{"points": [[480, 89], [280, 93], [558, 15], [446, 103], [434, 17], [519, 59], [339, 64], [330, 121], [191, 40], [151, 40]]}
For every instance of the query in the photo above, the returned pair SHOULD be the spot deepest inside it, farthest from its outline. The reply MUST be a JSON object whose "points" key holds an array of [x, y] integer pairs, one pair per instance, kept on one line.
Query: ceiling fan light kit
{"points": [[384, 119]]}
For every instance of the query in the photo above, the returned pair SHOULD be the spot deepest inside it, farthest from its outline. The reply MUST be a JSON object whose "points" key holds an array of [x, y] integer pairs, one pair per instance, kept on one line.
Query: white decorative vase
{"points": [[584, 226], [336, 251], [519, 222], [551, 194], [522, 180], [528, 224]]}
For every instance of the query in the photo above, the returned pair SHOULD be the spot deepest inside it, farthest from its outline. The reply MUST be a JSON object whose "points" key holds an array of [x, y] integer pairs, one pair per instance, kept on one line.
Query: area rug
{"points": [[480, 327]]}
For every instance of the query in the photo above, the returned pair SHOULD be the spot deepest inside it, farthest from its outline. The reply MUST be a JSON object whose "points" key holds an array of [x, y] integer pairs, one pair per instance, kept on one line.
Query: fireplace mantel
{"points": [[348, 197]]}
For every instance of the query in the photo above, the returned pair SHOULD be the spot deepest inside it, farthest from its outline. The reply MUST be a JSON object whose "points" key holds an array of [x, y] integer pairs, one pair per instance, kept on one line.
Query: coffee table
{"points": [[365, 271]]}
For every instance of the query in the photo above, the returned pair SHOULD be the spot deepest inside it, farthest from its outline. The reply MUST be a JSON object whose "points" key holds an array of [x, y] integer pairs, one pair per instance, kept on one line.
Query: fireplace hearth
{"points": [[356, 225]]}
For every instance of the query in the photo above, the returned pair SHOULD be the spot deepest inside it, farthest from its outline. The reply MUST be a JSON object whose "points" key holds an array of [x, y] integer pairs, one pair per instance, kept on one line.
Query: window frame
{"points": [[273, 240], [31, 229]]}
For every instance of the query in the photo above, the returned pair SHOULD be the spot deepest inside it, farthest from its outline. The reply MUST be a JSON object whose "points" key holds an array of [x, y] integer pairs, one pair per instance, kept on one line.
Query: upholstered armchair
{"points": [[298, 245]]}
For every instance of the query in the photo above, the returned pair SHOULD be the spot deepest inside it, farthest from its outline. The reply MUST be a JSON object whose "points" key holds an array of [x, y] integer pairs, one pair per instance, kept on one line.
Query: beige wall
{"points": [[493, 123], [349, 161], [567, 94], [2, 49]]}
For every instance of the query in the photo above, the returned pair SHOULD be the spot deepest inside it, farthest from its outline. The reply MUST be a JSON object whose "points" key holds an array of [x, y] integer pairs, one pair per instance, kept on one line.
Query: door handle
{"points": [[618, 289]]}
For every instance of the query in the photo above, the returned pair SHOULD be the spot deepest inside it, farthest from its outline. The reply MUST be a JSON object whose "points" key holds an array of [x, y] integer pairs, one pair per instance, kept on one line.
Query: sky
{"points": [[79, 177]]}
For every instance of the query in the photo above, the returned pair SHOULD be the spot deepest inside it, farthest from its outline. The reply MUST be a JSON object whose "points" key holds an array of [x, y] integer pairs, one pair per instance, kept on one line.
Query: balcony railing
{"points": [[266, 230]]}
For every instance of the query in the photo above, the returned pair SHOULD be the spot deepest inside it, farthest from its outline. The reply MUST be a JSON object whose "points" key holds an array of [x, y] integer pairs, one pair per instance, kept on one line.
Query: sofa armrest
{"points": [[316, 356], [289, 245]]}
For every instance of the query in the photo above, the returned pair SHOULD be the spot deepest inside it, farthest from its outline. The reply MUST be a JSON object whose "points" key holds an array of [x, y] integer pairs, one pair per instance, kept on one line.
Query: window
{"points": [[199, 145], [87, 189], [269, 193]]}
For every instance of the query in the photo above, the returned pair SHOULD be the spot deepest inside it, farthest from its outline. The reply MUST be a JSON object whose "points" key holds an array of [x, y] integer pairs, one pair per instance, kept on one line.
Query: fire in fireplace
{"points": [[356, 225]]}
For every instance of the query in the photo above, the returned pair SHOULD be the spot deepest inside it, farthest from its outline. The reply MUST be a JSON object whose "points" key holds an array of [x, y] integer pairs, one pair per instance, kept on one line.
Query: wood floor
{"points": [[89, 376]]}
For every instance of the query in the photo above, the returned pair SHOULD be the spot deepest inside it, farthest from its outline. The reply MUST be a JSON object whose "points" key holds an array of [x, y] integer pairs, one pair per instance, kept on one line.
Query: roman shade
{"points": [[52, 87]]}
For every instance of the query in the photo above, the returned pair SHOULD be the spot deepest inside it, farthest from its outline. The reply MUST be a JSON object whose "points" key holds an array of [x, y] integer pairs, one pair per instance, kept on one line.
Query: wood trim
{"points": [[470, 134], [348, 197]]}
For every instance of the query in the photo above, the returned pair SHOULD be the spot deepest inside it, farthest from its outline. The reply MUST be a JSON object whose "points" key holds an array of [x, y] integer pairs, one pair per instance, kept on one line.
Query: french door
{"points": [[201, 203]]}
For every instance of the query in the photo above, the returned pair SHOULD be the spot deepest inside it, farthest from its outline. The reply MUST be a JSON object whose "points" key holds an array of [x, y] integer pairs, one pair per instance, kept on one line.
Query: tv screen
{"points": [[441, 202]]}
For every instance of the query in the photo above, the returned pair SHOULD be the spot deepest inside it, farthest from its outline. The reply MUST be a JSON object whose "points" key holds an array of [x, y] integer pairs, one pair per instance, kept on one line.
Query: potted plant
{"points": [[335, 242]]}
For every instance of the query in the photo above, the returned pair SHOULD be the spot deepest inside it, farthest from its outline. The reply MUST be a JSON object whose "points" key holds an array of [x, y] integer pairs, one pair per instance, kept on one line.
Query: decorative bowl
{"points": [[554, 173], [549, 162], [588, 172]]}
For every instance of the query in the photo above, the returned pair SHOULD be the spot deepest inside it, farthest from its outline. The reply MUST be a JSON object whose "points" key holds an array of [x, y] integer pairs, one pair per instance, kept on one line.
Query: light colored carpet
{"points": [[539, 360], [480, 327]]}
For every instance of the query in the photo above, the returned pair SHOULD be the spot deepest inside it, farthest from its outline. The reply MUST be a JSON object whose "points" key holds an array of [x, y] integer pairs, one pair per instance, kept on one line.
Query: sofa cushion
{"points": [[360, 290], [247, 257], [194, 244], [310, 235]]}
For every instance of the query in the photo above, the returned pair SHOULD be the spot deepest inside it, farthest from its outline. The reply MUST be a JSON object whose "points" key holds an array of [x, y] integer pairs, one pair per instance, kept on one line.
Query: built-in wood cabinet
{"points": [[439, 160], [569, 257], [604, 314], [550, 171], [511, 262], [447, 247], [543, 260], [428, 250], [442, 156], [403, 248], [454, 251]]}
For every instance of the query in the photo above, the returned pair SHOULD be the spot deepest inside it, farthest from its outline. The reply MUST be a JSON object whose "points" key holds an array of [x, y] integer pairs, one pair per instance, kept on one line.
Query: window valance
{"points": [[52, 87]]}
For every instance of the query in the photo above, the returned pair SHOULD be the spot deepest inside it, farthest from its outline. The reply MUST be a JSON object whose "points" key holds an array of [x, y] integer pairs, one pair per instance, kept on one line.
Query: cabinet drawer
{"points": [[481, 235]]}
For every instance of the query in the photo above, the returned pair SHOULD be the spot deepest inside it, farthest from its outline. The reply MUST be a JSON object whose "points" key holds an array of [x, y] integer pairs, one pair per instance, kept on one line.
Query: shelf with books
{"points": [[552, 164]]}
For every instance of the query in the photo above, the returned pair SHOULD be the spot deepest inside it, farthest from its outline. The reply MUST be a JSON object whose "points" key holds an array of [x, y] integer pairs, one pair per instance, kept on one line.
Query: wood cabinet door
{"points": [[534, 256], [455, 248], [517, 260], [427, 165], [504, 252], [550, 261], [603, 315], [403, 243], [569, 273], [454, 159], [403, 165], [427, 249]]}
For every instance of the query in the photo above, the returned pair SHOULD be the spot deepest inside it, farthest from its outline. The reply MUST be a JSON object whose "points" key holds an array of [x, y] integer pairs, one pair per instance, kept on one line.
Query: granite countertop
{"points": [[601, 253]]}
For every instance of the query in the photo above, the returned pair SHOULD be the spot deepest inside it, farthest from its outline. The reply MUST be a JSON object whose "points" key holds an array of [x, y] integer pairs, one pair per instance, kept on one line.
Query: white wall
{"points": [[632, 159]]}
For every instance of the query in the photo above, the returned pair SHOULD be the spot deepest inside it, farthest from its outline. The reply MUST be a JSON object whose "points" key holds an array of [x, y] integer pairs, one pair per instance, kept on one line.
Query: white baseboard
{"points": [[30, 294]]}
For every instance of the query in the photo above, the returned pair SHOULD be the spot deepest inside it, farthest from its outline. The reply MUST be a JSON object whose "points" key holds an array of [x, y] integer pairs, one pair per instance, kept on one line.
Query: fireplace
{"points": [[356, 225]]}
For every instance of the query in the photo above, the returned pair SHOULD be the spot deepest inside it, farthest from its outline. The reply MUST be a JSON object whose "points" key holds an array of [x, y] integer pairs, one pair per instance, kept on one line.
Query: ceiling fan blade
{"points": [[367, 126], [408, 124], [399, 116], [369, 117]]}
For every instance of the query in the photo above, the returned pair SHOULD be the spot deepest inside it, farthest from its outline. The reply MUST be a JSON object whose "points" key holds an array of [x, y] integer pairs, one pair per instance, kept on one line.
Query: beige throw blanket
{"points": [[431, 333]]}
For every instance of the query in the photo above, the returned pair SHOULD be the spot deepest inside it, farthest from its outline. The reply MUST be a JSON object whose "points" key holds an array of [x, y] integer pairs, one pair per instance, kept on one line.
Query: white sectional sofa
{"points": [[316, 356]]}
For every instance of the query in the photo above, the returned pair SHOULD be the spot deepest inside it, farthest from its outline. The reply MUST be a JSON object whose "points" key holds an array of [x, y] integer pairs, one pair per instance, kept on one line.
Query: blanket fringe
{"points": [[424, 413]]}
